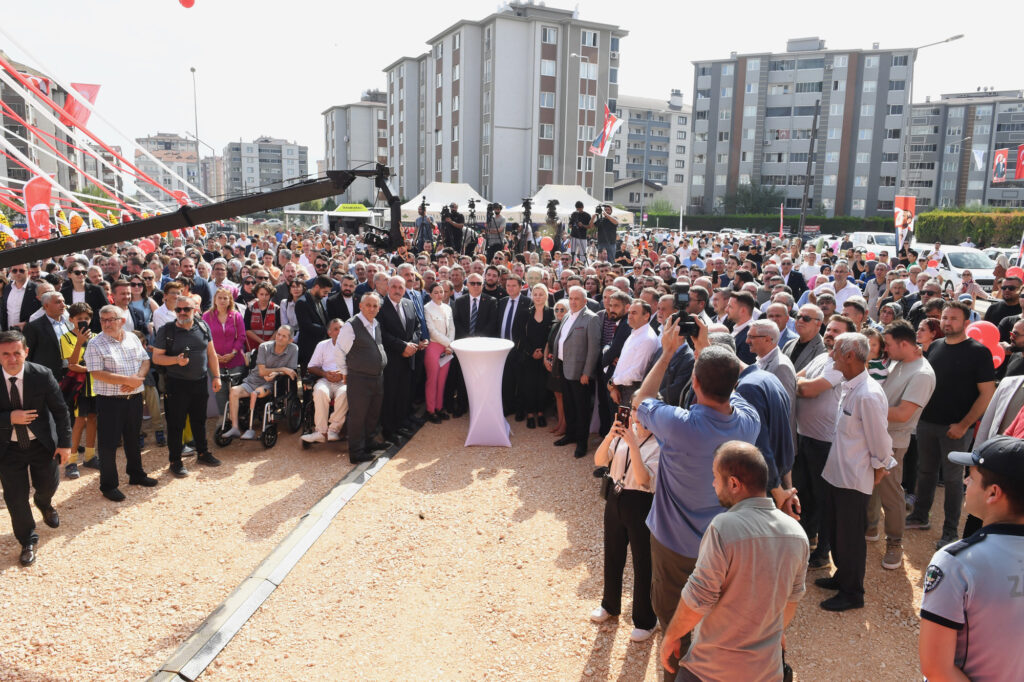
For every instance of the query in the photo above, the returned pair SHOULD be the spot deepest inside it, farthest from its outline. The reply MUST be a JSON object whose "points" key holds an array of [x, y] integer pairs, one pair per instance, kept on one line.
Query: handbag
{"points": [[607, 485]]}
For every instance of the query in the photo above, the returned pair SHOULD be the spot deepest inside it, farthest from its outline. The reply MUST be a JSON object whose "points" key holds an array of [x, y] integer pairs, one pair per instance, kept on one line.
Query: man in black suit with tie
{"points": [[401, 335], [474, 315], [312, 318], [792, 278], [513, 311], [35, 439], [19, 299], [43, 335], [344, 304]]}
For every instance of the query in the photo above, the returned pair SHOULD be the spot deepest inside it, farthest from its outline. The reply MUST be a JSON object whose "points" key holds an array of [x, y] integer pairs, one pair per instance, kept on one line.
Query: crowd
{"points": [[758, 402]]}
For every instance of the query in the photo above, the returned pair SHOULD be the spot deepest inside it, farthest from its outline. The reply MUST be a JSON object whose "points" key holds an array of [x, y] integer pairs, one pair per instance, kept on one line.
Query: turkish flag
{"points": [[75, 113], [38, 196], [181, 196], [1018, 173]]}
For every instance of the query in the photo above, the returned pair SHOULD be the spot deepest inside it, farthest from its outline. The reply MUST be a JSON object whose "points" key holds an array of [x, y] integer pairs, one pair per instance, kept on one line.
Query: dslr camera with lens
{"points": [[681, 296]]}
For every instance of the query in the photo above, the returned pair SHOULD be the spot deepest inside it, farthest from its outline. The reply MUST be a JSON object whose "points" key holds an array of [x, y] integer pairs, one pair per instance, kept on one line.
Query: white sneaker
{"points": [[333, 436], [599, 615], [233, 432], [315, 437], [187, 450], [249, 435], [639, 635]]}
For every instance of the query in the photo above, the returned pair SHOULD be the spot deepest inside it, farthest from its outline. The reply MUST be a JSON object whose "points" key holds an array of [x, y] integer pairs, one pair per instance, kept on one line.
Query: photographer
{"points": [[607, 226], [423, 238], [454, 223], [494, 231], [631, 453], [579, 223]]}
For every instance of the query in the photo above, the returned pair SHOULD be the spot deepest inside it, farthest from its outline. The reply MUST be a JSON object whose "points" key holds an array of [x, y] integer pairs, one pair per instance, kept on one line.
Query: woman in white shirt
{"points": [[631, 453], [441, 327]]}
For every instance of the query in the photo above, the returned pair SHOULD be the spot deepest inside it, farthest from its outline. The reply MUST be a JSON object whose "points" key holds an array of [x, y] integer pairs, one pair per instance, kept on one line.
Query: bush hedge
{"points": [[984, 229], [770, 223]]}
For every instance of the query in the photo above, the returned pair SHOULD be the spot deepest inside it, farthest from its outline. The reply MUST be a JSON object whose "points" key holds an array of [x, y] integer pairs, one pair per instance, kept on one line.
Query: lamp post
{"points": [[195, 114], [586, 118]]}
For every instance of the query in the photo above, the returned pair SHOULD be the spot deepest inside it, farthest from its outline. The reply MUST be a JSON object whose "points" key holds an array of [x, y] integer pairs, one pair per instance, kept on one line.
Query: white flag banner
{"points": [[979, 158]]}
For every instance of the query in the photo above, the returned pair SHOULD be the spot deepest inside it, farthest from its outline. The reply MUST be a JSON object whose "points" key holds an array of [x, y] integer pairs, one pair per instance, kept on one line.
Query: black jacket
{"points": [[44, 346], [29, 304], [312, 319], [394, 334], [522, 313], [40, 392], [336, 307], [486, 320], [94, 296]]}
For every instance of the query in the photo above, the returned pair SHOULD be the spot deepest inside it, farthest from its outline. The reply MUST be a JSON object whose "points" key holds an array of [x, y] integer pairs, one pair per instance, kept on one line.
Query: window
{"points": [[722, 158], [727, 92], [753, 65], [749, 133], [549, 35], [864, 134], [679, 178], [949, 184], [863, 157], [697, 180], [885, 204], [455, 103], [701, 115], [437, 165], [860, 181], [750, 111], [723, 136], [680, 163], [455, 133], [898, 85], [922, 165], [954, 131], [892, 133], [871, 62], [955, 113], [437, 108], [455, 162], [588, 102], [782, 65], [919, 183], [835, 133], [814, 86], [588, 38], [831, 157], [975, 184], [455, 72], [437, 138], [887, 181], [982, 128], [779, 89], [839, 61], [890, 157], [680, 149], [703, 70], [438, 53], [585, 132], [614, 44], [773, 180], [870, 86], [681, 120], [588, 72], [775, 157], [924, 130], [437, 79], [546, 162], [778, 111], [547, 67], [724, 115], [727, 69], [584, 163], [952, 149], [613, 74], [829, 180], [895, 110], [751, 88], [950, 166], [547, 131], [456, 41], [486, 136], [900, 59], [744, 178], [857, 204], [838, 86], [924, 147], [703, 94], [547, 100], [867, 109], [721, 179]]}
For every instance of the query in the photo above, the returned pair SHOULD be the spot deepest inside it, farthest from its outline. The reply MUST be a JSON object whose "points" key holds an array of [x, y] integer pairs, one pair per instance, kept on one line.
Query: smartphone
{"points": [[622, 414], [83, 325]]}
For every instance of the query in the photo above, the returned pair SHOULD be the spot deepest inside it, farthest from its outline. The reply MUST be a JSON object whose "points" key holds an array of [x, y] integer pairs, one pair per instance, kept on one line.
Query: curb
{"points": [[209, 639]]}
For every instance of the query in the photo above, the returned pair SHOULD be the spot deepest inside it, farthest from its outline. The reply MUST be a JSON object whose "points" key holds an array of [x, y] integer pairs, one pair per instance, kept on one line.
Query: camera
{"points": [[424, 203], [681, 297], [622, 414], [446, 213], [553, 210]]}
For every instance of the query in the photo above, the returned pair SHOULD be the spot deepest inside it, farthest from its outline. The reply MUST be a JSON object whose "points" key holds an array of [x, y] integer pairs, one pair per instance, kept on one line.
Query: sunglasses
{"points": [[74, 272], [183, 310], [136, 284], [263, 279], [148, 279], [802, 318], [18, 270], [476, 284], [249, 281], [1009, 288], [929, 293]]}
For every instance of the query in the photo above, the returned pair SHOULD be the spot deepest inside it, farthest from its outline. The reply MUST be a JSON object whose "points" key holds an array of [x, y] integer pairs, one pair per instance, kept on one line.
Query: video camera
{"points": [[681, 297], [377, 238], [552, 210], [446, 213]]}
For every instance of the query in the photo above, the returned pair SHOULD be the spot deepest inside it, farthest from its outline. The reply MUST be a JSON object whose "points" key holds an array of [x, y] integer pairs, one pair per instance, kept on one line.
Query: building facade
{"points": [[653, 145], [753, 122], [211, 173], [356, 135], [103, 172], [507, 104], [265, 163], [175, 152], [952, 145]]}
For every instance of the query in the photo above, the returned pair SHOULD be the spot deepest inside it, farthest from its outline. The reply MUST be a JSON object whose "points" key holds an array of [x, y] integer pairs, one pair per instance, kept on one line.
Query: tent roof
{"points": [[440, 194], [567, 196]]}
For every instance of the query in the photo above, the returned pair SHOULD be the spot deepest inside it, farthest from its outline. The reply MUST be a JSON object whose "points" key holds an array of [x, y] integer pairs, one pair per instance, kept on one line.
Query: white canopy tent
{"points": [[440, 194], [567, 196]]}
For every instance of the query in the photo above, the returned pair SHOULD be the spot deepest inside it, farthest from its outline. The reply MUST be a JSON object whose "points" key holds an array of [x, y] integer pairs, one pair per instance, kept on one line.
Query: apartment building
{"points": [[355, 135], [265, 163]]}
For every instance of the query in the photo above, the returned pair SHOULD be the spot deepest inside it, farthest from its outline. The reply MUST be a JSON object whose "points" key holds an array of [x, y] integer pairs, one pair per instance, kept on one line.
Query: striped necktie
{"points": [[472, 317]]}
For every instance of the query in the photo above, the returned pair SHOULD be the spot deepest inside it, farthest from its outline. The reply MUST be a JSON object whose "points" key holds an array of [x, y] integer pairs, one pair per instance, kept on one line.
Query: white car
{"points": [[956, 259], [873, 241], [1011, 254]]}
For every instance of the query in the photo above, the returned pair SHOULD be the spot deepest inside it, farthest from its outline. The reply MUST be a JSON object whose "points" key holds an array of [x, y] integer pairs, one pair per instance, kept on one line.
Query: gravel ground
{"points": [[483, 563], [118, 587]]}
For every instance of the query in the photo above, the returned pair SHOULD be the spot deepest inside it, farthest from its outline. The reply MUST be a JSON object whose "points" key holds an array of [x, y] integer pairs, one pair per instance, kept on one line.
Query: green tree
{"points": [[101, 197], [661, 206], [753, 199], [314, 205], [329, 204]]}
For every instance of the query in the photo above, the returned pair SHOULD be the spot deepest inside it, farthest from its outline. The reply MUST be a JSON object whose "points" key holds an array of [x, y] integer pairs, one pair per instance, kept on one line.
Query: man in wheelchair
{"points": [[273, 359], [330, 386]]}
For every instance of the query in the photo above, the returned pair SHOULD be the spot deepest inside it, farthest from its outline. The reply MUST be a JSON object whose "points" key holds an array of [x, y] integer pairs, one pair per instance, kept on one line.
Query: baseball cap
{"points": [[965, 297], [1003, 455]]}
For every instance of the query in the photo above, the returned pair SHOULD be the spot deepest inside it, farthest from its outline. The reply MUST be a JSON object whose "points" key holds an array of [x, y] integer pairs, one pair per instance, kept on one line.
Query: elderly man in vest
{"points": [[361, 360]]}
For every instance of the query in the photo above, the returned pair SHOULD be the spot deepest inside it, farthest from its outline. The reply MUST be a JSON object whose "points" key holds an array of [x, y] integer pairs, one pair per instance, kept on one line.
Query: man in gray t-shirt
{"points": [[908, 388]]}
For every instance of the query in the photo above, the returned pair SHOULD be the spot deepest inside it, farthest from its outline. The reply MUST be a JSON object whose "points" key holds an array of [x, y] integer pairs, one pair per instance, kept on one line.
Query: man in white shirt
{"points": [[860, 456], [14, 298], [844, 288], [636, 354], [330, 386]]}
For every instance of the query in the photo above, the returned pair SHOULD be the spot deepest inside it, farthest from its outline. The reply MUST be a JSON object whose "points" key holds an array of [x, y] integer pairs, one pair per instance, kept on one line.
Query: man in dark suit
{"points": [[808, 344], [741, 311], [401, 335], [43, 335], [474, 315], [578, 347], [312, 318], [612, 317], [793, 278], [35, 439], [513, 312], [344, 304], [77, 286], [15, 314], [282, 293]]}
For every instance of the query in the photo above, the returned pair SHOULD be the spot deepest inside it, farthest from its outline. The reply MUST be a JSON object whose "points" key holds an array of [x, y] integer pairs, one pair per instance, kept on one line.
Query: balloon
{"points": [[187, 4], [547, 243], [985, 332], [1015, 271], [933, 263], [998, 356], [147, 246], [872, 256]]}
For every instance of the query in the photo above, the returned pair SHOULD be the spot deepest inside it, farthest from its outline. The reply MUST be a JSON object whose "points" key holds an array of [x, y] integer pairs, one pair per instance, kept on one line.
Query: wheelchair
{"points": [[282, 405], [309, 409]]}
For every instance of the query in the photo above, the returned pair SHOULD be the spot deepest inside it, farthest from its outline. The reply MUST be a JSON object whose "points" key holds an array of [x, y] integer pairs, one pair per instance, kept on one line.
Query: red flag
{"points": [[999, 160], [75, 113], [781, 206], [1018, 173], [38, 196]]}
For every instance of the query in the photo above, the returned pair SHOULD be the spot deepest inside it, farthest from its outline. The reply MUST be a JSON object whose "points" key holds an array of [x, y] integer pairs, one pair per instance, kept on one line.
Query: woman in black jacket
{"points": [[533, 384]]}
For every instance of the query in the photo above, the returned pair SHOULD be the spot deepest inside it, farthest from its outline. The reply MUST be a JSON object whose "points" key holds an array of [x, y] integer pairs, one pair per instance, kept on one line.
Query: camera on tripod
{"points": [[424, 203], [552, 210], [446, 213], [681, 298]]}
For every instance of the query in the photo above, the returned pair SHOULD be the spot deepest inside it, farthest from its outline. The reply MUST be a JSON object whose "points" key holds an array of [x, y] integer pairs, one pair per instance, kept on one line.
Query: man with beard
{"points": [[343, 305]]}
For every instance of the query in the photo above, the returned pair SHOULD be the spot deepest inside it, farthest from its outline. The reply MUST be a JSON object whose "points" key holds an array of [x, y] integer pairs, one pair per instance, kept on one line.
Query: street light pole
{"points": [[195, 114]]}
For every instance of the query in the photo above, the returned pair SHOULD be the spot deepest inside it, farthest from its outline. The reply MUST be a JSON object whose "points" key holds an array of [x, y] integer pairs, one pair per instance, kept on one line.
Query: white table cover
{"points": [[483, 362]]}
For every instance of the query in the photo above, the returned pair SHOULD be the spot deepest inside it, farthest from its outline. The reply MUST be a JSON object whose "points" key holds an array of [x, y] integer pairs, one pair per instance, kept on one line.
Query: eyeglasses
{"points": [[148, 279], [802, 318], [1011, 288], [183, 310], [249, 282], [109, 320], [929, 293], [15, 270], [476, 284], [262, 279], [136, 284]]}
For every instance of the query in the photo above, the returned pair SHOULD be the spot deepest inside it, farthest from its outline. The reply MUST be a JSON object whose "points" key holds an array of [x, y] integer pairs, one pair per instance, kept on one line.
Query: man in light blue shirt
{"points": [[685, 499]]}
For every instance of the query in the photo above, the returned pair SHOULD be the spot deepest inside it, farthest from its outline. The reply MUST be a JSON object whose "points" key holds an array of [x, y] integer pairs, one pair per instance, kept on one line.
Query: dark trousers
{"points": [[533, 386], [366, 396], [119, 420], [455, 398], [846, 515], [625, 524], [18, 466], [579, 406], [910, 467], [605, 408], [933, 448], [186, 399], [397, 405], [670, 571], [811, 455], [491, 250], [510, 381]]}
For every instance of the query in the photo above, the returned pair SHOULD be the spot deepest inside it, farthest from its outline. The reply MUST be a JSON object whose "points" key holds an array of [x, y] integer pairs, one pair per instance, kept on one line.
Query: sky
{"points": [[266, 67]]}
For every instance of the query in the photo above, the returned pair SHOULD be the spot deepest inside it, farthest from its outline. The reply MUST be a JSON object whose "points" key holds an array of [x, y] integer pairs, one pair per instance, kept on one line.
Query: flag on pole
{"points": [[38, 194], [781, 206], [75, 114], [603, 142], [1018, 172], [999, 160], [1020, 251], [905, 213]]}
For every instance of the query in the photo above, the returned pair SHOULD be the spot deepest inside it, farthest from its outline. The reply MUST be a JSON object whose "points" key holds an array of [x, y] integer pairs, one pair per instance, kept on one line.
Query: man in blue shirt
{"points": [[685, 499]]}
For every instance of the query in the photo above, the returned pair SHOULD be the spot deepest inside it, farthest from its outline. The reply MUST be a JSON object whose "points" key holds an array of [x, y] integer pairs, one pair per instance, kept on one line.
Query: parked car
{"points": [[994, 252], [956, 259], [875, 240]]}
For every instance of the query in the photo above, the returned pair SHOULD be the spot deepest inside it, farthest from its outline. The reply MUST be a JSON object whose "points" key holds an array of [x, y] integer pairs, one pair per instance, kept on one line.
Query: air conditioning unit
{"points": [[613, 55]]}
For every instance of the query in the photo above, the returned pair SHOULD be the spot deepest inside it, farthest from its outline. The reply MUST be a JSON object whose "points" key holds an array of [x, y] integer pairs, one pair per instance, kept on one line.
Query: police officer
{"points": [[972, 612]]}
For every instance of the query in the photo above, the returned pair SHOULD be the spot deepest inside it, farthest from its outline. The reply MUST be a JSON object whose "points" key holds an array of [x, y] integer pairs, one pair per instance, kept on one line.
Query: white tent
{"points": [[567, 196], [440, 194]]}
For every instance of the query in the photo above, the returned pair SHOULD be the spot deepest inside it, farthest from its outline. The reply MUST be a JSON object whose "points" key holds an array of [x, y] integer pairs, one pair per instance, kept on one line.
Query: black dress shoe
{"points": [[405, 432], [520, 416], [817, 560], [581, 452], [92, 463], [379, 445], [827, 583], [435, 418], [444, 415], [542, 421], [599, 472], [144, 481], [841, 603], [360, 457], [531, 423], [28, 555], [50, 517], [179, 470], [114, 495], [416, 420], [565, 440], [208, 459]]}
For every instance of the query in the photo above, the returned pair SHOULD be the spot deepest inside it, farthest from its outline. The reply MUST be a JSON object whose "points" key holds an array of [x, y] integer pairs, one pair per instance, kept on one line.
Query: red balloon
{"points": [[985, 332], [187, 4], [998, 356], [933, 263], [547, 243], [147, 246], [1015, 271], [872, 256]]}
